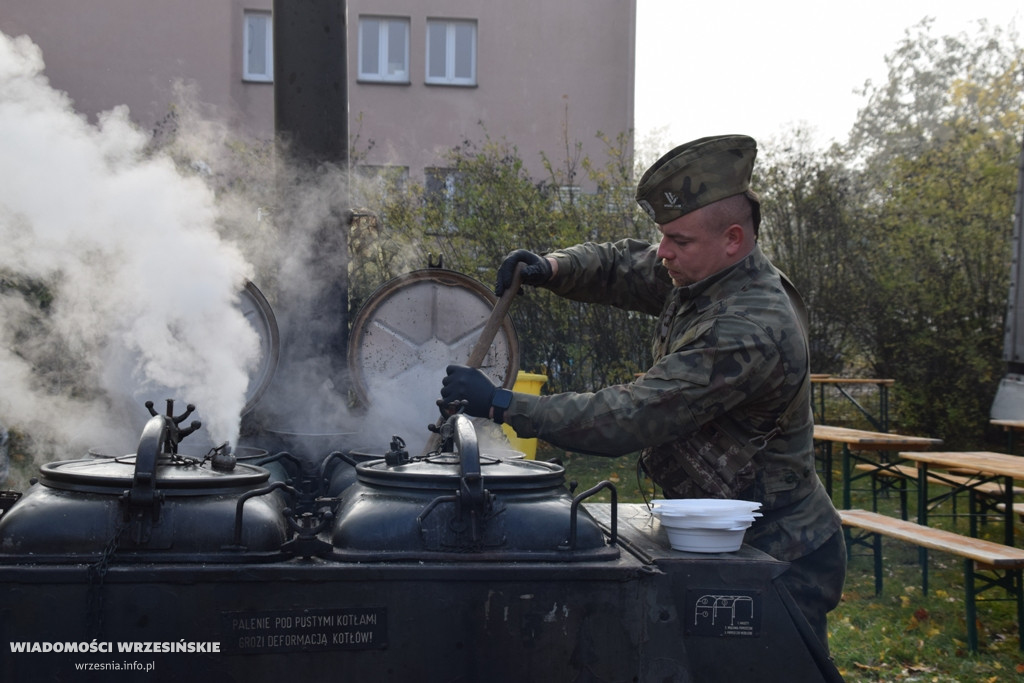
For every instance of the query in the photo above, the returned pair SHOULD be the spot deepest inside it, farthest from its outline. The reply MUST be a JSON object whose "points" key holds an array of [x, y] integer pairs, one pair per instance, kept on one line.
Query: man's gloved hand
{"points": [[464, 383], [536, 270]]}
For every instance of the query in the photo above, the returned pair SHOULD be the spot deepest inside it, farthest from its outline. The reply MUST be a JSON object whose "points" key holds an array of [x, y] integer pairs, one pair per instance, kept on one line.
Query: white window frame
{"points": [[620, 199], [383, 72], [566, 196], [449, 78], [266, 75]]}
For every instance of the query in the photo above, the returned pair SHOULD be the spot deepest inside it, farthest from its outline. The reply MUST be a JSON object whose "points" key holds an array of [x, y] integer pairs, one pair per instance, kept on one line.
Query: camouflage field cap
{"points": [[696, 174]]}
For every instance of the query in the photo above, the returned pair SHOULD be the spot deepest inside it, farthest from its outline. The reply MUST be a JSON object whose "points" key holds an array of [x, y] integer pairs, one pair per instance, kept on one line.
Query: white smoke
{"points": [[120, 275], [144, 289]]}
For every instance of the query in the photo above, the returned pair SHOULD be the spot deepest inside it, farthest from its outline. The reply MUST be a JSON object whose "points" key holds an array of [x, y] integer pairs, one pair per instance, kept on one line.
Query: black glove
{"points": [[536, 270], [468, 384]]}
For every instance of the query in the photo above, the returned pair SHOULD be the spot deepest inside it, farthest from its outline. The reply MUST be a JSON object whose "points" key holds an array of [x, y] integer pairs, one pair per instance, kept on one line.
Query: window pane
{"points": [[369, 48], [257, 45], [396, 48], [436, 32], [464, 50]]}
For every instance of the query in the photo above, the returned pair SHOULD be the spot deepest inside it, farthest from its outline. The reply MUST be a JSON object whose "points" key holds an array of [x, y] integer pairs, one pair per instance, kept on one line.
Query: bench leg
{"points": [[1010, 581], [847, 472], [972, 513], [876, 550], [922, 558], [826, 466], [970, 608], [1008, 518], [1018, 594], [883, 484], [903, 499]]}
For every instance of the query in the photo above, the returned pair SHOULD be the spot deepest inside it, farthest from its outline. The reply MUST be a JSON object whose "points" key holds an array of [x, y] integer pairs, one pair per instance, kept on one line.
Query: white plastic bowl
{"points": [[694, 522], [706, 506], [706, 540], [706, 525]]}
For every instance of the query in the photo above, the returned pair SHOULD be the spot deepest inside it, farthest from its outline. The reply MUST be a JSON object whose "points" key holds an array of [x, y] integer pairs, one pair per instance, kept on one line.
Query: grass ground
{"points": [[902, 634]]}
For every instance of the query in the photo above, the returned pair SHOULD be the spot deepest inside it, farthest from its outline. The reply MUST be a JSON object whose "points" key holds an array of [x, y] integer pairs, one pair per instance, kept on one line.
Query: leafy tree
{"points": [[809, 234], [934, 84], [937, 146]]}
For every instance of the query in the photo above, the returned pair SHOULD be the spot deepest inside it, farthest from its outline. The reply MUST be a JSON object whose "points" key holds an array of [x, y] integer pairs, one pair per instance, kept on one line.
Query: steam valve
{"points": [[175, 433], [398, 455]]}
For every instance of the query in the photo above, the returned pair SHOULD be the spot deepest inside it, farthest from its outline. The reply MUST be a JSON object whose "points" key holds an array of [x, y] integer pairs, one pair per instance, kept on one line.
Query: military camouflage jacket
{"points": [[728, 349]]}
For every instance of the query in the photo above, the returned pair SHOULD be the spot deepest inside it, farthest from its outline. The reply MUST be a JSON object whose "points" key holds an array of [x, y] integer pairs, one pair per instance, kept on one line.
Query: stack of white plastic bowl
{"points": [[706, 525]]}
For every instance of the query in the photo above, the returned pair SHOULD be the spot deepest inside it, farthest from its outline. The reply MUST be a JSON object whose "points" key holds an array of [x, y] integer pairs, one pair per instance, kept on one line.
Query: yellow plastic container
{"points": [[527, 383]]}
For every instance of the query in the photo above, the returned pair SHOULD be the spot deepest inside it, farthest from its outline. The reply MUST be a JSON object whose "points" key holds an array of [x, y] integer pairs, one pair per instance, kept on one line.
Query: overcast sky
{"points": [[796, 61]]}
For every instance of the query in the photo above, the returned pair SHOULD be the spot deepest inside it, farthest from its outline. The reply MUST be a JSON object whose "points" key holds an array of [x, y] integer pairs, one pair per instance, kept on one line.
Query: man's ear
{"points": [[735, 239]]}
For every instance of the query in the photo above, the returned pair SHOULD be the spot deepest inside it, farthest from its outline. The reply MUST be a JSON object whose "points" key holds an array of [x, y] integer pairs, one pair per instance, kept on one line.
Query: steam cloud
{"points": [[120, 276], [115, 284]]}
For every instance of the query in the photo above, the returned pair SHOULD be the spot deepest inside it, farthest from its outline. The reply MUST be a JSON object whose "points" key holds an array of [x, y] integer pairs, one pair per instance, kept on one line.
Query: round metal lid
{"points": [[257, 311], [412, 327], [115, 475], [444, 471]]}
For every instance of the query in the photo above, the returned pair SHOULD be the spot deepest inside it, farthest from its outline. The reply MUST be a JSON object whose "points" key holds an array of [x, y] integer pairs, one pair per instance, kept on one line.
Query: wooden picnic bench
{"points": [[987, 564], [1018, 509], [901, 474]]}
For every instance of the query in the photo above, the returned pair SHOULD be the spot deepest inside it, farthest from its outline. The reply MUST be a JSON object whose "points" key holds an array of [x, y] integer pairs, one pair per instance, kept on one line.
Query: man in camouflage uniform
{"points": [[725, 411]]}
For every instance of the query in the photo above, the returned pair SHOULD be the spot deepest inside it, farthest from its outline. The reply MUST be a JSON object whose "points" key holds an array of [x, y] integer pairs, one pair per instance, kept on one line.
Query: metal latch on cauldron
{"points": [[307, 527], [471, 481], [142, 502], [175, 433], [398, 455], [458, 435]]}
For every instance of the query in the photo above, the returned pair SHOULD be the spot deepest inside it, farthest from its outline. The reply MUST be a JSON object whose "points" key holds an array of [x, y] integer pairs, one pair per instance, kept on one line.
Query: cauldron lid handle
{"points": [[143, 493], [471, 481]]}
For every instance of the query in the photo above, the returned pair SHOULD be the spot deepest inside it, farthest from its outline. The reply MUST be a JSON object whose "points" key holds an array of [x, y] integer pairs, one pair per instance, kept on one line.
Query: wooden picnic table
{"points": [[1010, 427], [879, 420], [981, 467], [855, 441]]}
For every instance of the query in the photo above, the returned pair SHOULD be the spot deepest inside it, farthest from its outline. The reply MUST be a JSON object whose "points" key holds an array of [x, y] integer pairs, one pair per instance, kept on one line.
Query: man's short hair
{"points": [[734, 210]]}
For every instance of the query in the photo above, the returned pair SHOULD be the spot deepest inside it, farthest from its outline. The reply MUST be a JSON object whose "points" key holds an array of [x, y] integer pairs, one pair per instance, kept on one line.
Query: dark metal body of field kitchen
{"points": [[465, 562], [334, 560]]}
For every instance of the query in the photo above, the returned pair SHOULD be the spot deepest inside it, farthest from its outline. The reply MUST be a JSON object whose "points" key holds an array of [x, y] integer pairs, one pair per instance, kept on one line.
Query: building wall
{"points": [[547, 72], [105, 53]]}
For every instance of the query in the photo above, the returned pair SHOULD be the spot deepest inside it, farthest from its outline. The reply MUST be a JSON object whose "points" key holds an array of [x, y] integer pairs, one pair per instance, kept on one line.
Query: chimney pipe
{"points": [[311, 125]]}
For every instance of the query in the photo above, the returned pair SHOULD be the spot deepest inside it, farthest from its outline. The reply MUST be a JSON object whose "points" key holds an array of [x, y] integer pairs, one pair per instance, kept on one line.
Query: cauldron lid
{"points": [[413, 326], [115, 475], [443, 470], [257, 311]]}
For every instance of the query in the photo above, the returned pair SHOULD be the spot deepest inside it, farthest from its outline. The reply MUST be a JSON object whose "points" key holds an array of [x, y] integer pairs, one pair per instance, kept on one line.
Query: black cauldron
{"points": [[151, 502], [457, 503]]}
